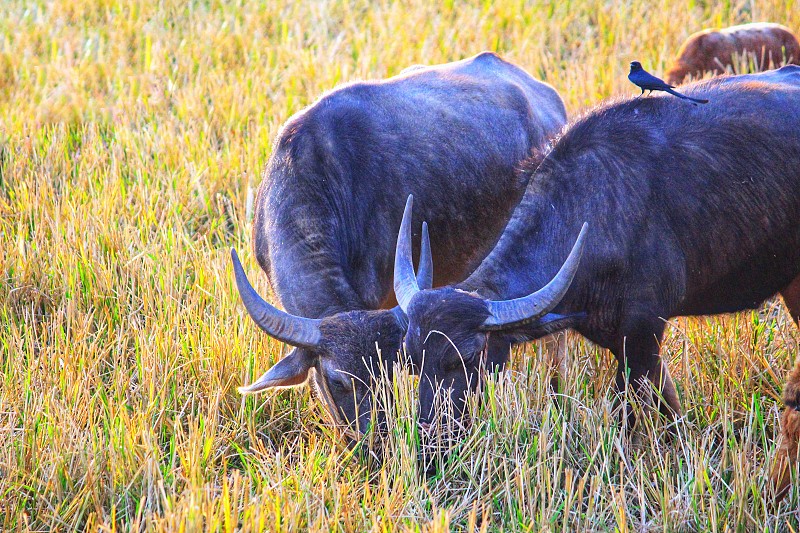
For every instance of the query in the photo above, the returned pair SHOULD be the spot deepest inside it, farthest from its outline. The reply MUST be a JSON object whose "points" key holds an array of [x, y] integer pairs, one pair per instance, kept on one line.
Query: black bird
{"points": [[647, 82]]}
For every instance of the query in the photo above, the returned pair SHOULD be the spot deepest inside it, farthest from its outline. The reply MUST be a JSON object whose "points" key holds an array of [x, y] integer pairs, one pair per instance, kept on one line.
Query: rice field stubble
{"points": [[131, 136]]}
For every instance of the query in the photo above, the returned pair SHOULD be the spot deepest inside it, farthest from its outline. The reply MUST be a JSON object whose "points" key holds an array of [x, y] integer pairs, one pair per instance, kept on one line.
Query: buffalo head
{"points": [[454, 335], [350, 352]]}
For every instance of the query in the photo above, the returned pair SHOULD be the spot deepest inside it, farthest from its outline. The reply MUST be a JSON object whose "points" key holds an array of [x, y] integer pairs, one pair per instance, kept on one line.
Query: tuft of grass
{"points": [[132, 134]]}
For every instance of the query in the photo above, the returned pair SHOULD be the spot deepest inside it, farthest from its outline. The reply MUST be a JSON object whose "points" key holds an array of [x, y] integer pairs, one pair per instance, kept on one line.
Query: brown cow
{"points": [[790, 423], [768, 45]]}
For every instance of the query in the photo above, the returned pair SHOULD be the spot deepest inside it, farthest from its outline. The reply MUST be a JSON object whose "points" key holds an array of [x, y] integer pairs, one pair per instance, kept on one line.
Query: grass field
{"points": [[131, 133]]}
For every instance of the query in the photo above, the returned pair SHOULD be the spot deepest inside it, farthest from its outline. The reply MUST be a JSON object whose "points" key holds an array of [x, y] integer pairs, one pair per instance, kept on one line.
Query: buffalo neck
{"points": [[535, 243]]}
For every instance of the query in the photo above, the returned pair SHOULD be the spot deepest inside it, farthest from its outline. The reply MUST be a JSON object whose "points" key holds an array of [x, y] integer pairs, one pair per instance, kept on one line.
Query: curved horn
{"points": [[424, 274], [505, 313], [294, 330], [425, 268], [405, 282]]}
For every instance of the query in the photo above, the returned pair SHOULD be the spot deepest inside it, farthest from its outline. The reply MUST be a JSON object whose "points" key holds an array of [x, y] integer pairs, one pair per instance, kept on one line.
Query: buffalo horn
{"points": [[505, 313], [405, 282], [294, 330]]}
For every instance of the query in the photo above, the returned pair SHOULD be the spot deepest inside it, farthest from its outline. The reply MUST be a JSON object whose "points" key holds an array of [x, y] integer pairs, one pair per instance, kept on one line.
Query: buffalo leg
{"points": [[638, 361], [790, 421]]}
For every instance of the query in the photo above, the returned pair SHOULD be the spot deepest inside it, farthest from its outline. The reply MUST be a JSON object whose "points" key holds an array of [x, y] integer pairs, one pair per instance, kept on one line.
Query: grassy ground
{"points": [[131, 133]]}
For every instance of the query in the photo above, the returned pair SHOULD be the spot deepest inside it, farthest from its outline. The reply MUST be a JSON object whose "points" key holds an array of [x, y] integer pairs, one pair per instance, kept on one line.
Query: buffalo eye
{"points": [[340, 384]]}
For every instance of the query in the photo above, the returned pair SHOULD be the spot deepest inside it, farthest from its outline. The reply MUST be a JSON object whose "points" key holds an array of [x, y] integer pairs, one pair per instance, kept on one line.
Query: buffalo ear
{"points": [[290, 371], [547, 325]]}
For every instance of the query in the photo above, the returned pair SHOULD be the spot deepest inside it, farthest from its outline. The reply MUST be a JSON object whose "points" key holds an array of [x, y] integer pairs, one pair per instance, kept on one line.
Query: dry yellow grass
{"points": [[130, 134]]}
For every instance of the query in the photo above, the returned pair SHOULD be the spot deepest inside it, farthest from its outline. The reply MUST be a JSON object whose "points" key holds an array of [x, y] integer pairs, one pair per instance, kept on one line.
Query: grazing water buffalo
{"points": [[690, 210], [768, 45], [327, 211]]}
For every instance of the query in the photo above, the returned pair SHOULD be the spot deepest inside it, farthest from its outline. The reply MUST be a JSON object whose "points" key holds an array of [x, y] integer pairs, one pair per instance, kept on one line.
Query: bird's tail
{"points": [[679, 95]]}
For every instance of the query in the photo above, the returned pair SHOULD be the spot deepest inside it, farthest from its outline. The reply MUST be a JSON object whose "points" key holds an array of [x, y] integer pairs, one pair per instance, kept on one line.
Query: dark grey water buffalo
{"points": [[690, 211], [327, 212]]}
